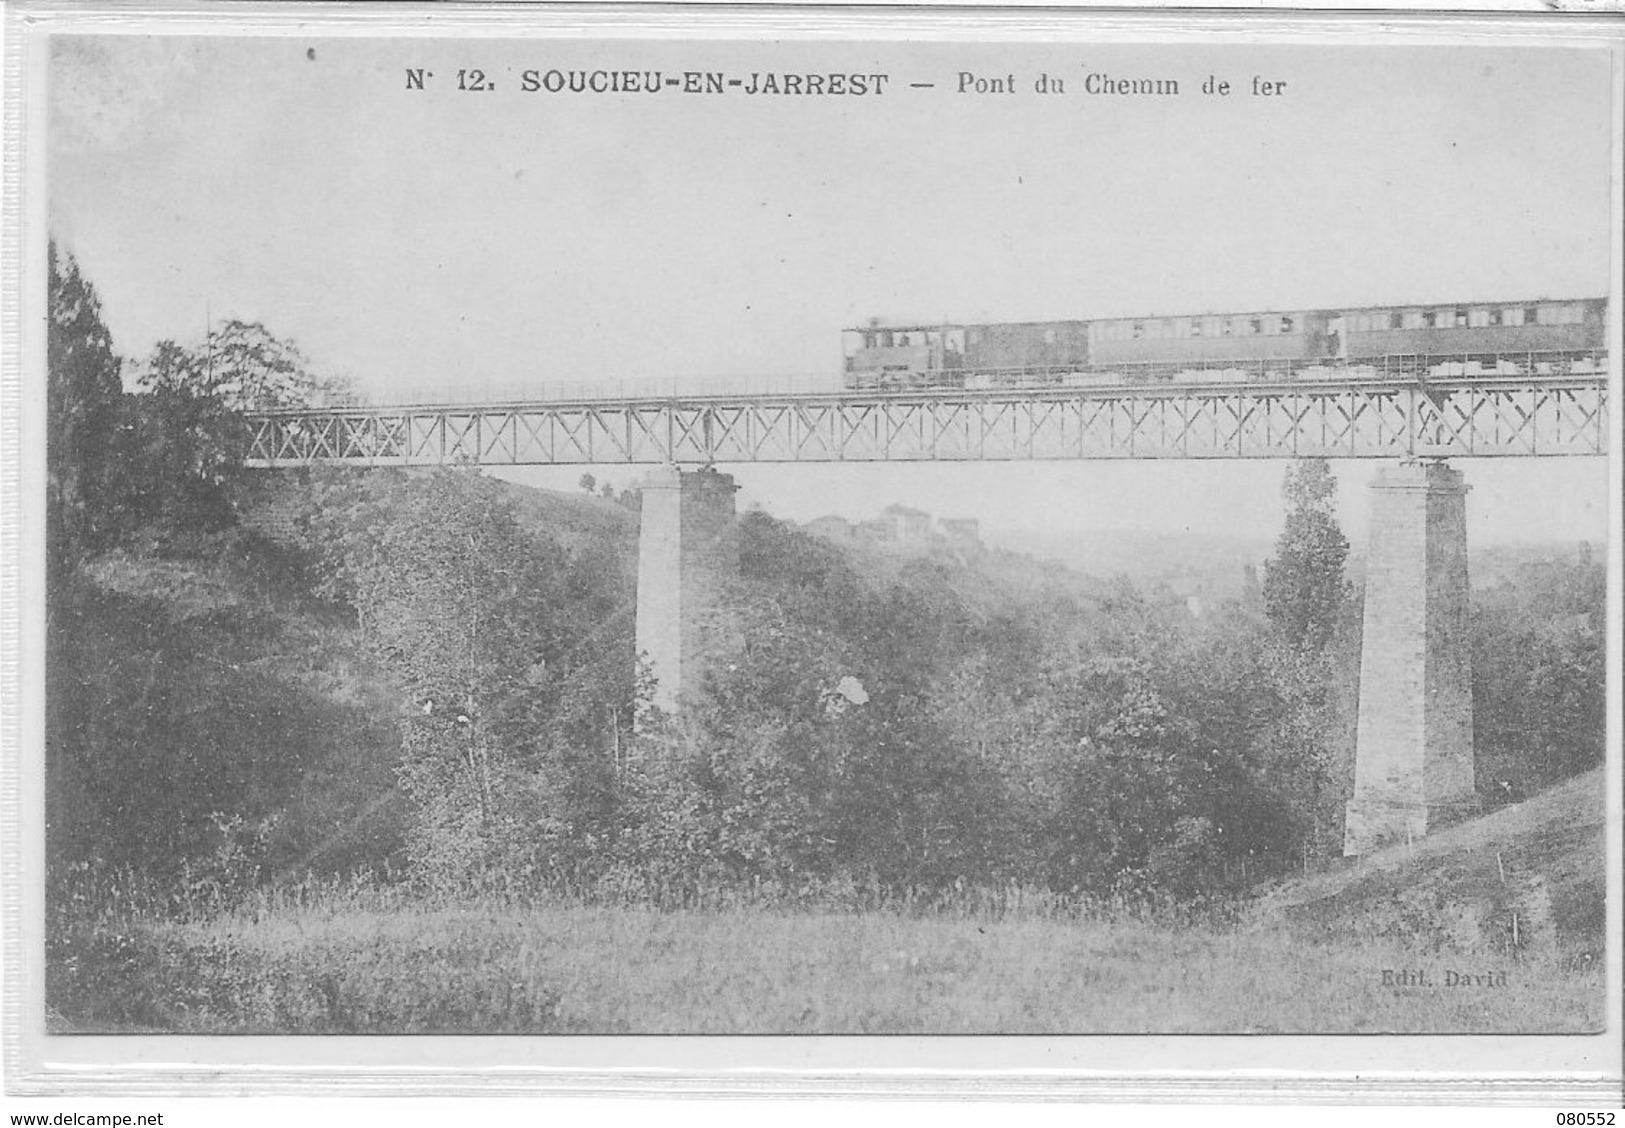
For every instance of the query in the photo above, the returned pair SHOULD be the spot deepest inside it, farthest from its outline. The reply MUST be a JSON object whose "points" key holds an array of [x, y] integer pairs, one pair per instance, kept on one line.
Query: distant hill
{"points": [[1542, 861], [1218, 563], [1498, 563], [1185, 561]]}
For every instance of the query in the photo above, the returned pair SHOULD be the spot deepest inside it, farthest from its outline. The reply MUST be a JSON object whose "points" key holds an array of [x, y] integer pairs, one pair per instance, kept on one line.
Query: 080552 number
{"points": [[1585, 1119]]}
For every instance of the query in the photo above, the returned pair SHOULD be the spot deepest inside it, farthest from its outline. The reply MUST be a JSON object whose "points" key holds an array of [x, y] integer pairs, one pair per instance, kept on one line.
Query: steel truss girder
{"points": [[1466, 417]]}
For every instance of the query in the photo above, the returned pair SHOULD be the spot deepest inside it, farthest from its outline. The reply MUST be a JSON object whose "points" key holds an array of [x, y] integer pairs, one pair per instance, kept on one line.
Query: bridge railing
{"points": [[614, 388]]}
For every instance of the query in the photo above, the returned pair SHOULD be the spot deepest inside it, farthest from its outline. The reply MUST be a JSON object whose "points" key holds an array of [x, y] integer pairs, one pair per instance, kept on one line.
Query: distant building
{"points": [[901, 527], [835, 528], [909, 525], [877, 531], [1193, 589]]}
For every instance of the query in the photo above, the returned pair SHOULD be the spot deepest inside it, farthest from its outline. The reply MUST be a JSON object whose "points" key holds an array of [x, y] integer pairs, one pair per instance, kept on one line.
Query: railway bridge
{"points": [[1414, 750]]}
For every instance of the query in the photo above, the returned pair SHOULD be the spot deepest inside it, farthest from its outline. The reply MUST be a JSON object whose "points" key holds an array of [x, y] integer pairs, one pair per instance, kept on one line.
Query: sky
{"points": [[458, 241]]}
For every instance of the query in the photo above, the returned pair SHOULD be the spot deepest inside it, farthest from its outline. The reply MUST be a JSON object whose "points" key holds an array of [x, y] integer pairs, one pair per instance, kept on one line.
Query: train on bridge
{"points": [[1524, 338]]}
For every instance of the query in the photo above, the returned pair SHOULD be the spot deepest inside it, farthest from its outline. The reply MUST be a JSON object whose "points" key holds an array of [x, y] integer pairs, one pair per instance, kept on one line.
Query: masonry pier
{"points": [[1414, 745], [688, 549]]}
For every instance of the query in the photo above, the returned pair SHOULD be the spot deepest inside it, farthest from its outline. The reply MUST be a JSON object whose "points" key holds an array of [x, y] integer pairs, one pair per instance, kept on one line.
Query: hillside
{"points": [[573, 520], [1043, 800], [1542, 861], [1143, 555]]}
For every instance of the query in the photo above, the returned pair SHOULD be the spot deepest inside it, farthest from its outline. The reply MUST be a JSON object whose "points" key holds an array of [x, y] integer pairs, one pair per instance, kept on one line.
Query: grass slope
{"points": [[1541, 861]]}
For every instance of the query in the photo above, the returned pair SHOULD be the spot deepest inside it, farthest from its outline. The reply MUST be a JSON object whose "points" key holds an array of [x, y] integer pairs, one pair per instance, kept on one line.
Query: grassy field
{"points": [[1494, 925], [580, 970]]}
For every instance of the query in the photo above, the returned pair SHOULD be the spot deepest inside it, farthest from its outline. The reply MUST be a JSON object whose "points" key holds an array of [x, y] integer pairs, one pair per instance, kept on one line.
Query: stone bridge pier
{"points": [[688, 550], [1414, 765]]}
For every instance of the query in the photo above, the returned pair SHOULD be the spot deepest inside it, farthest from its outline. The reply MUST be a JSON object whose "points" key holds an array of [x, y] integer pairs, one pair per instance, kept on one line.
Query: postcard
{"points": [[583, 538]]}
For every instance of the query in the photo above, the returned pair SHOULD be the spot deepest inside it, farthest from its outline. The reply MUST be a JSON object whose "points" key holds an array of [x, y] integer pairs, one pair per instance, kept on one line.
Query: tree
{"points": [[1540, 685], [83, 394], [186, 435], [244, 366], [1305, 597], [1138, 807], [472, 614], [588, 483], [1304, 588]]}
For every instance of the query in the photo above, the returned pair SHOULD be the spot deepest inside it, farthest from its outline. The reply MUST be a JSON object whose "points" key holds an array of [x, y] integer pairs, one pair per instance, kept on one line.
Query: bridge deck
{"points": [[1460, 416]]}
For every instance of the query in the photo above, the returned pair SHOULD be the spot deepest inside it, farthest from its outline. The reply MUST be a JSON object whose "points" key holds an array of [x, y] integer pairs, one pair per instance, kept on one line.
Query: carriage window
{"points": [[1049, 336], [975, 336], [1482, 317], [1396, 320], [1531, 316], [1511, 316], [1286, 325], [886, 339], [1226, 328], [1430, 319], [1139, 330], [1196, 327], [1461, 319], [1255, 326]]}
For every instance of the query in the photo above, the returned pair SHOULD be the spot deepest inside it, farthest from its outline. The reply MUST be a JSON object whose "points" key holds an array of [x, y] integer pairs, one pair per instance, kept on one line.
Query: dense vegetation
{"points": [[426, 683]]}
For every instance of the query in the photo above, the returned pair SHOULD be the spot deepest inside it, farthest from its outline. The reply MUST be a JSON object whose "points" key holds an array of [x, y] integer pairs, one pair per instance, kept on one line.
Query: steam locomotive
{"points": [[1528, 337]]}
